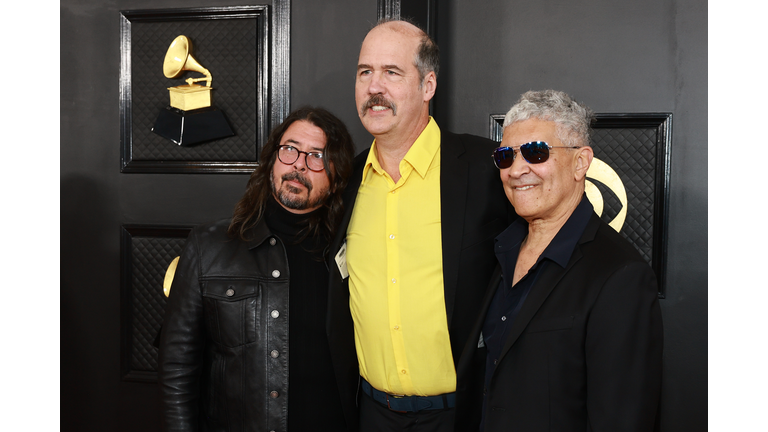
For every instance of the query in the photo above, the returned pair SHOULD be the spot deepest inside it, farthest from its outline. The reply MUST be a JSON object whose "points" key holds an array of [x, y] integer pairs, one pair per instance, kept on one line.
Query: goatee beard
{"points": [[288, 195]]}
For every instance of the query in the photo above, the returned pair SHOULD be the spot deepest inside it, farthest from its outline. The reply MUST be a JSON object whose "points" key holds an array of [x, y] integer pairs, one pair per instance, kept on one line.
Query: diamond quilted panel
{"points": [[229, 49], [150, 257], [632, 154]]}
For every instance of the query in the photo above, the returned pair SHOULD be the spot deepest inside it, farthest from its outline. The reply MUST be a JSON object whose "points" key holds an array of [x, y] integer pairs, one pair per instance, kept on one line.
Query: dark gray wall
{"points": [[615, 56], [324, 56]]}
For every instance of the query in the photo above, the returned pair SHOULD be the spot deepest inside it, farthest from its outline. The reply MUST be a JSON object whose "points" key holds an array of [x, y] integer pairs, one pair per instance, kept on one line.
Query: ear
{"points": [[582, 161], [429, 86]]}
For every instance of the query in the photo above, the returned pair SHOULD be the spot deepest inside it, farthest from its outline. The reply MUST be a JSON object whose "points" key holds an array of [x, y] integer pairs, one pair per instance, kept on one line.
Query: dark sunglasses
{"points": [[535, 152]]}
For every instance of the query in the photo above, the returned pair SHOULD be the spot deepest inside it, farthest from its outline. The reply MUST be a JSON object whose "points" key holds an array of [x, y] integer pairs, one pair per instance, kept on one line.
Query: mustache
{"points": [[297, 176], [379, 100]]}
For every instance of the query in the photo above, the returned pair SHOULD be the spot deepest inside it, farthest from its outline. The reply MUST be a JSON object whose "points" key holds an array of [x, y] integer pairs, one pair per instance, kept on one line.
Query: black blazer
{"points": [[474, 209], [584, 353]]}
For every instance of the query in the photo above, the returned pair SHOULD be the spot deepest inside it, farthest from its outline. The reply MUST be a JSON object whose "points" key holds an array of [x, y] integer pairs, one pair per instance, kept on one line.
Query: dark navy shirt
{"points": [[509, 299]]}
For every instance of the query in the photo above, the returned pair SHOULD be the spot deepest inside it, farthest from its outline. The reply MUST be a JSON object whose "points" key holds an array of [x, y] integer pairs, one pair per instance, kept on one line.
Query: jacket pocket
{"points": [[232, 311], [550, 324]]}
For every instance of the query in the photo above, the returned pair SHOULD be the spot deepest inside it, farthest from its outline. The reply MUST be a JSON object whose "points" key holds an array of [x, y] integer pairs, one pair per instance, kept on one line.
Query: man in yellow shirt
{"points": [[415, 250]]}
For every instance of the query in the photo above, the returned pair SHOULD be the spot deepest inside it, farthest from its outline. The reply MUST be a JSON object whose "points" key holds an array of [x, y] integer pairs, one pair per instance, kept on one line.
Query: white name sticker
{"points": [[341, 261]]}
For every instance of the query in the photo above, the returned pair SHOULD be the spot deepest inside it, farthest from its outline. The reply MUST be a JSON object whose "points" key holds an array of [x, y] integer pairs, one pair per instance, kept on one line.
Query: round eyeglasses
{"points": [[290, 154]]}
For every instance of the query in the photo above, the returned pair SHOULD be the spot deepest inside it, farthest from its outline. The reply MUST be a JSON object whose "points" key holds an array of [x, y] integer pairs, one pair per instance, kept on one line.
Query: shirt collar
{"points": [[512, 236], [419, 156], [562, 245]]}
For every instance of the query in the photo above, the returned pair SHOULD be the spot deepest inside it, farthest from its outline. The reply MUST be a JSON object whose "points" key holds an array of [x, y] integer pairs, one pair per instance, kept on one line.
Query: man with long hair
{"points": [[244, 343]]}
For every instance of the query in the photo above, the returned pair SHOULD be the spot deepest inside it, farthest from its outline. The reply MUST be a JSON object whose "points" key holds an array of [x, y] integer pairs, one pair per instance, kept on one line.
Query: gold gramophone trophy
{"points": [[190, 119]]}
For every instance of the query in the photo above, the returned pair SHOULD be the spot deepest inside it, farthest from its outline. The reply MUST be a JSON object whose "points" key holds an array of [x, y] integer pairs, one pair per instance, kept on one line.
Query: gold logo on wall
{"points": [[602, 172], [190, 118], [177, 60], [170, 272]]}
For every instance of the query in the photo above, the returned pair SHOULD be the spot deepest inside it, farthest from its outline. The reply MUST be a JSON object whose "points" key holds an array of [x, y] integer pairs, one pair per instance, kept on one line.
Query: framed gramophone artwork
{"points": [[200, 88]]}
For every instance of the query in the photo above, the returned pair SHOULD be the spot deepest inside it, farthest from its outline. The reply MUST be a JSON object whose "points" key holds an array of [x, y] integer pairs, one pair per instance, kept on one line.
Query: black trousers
{"points": [[375, 417]]}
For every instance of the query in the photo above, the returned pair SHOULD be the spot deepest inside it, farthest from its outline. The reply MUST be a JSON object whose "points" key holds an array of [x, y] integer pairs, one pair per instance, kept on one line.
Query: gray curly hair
{"points": [[571, 118]]}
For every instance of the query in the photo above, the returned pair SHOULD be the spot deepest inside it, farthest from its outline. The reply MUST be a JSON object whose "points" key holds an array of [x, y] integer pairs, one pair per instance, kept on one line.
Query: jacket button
{"points": [[274, 314], [275, 273], [273, 394], [272, 241], [274, 354], [230, 292]]}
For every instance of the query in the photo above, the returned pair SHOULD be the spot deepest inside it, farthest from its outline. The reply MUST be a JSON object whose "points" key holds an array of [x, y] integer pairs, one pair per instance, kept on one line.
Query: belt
{"points": [[410, 403]]}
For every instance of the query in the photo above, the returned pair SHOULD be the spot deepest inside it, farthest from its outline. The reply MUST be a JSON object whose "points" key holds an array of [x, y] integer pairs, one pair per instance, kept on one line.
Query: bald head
{"points": [[427, 55], [400, 26]]}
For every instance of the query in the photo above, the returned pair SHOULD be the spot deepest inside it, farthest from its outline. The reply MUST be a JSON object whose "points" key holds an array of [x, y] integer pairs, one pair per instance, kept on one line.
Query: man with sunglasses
{"points": [[571, 323], [414, 251], [244, 343]]}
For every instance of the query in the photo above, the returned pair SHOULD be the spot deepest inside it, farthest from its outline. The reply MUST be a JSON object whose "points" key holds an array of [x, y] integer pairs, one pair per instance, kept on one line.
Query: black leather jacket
{"points": [[235, 293]]}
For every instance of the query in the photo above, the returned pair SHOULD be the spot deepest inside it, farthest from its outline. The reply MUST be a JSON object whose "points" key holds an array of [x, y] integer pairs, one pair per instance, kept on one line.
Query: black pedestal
{"points": [[187, 128]]}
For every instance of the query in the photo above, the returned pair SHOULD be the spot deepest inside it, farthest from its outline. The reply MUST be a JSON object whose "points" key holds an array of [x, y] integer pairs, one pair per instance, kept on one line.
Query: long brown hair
{"points": [[338, 155]]}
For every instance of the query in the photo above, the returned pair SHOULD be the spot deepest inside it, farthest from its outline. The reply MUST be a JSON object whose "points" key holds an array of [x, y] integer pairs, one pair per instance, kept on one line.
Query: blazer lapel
{"points": [[539, 293], [468, 352], [490, 292], [545, 284], [349, 196], [339, 326], [453, 193], [338, 293]]}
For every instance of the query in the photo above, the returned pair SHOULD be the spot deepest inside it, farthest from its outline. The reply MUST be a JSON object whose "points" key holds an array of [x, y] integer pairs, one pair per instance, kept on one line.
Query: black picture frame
{"points": [[645, 161], [145, 253], [421, 12], [256, 105]]}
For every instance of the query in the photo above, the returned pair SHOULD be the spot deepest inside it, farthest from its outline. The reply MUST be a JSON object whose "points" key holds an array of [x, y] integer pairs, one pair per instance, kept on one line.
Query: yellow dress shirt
{"points": [[395, 263]]}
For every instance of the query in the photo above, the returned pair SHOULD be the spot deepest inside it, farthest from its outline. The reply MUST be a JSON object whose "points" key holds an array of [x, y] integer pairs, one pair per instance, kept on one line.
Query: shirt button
{"points": [[273, 394], [274, 354], [394, 280], [403, 371], [392, 236], [272, 241], [397, 327], [274, 313], [230, 292], [275, 273]]}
